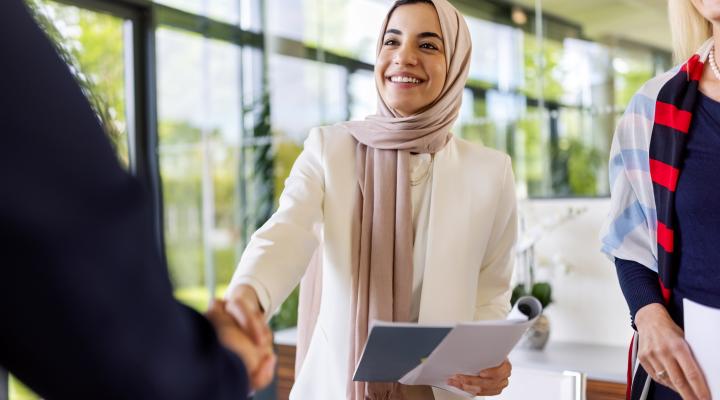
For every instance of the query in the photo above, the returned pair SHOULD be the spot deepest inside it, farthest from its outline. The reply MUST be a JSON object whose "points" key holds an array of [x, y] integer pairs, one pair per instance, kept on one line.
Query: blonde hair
{"points": [[688, 27]]}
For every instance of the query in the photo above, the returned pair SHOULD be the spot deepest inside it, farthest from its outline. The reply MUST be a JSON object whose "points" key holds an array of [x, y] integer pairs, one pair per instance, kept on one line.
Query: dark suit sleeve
{"points": [[86, 305]]}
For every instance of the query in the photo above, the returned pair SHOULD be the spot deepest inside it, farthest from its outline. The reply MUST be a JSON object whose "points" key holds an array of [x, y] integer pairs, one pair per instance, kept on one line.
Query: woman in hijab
{"points": [[398, 219]]}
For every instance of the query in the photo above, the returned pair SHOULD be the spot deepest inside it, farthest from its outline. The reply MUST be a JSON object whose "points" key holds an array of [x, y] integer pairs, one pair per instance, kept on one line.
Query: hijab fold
{"points": [[382, 231]]}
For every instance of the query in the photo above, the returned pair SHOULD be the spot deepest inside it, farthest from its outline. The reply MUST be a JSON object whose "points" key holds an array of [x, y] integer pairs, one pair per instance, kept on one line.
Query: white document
{"points": [[474, 346], [702, 325]]}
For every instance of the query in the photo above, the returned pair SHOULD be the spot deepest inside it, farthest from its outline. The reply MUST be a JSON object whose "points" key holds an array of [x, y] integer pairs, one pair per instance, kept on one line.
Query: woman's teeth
{"points": [[403, 79]]}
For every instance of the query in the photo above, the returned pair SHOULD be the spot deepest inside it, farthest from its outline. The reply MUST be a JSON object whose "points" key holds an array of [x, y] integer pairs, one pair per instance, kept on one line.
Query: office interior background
{"points": [[208, 103]]}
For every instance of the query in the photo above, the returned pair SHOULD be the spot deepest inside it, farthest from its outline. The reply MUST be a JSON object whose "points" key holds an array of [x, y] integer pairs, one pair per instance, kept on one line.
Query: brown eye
{"points": [[428, 46], [390, 42]]}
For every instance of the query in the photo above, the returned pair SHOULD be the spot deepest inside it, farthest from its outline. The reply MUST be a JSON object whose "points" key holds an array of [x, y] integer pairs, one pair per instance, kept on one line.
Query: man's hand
{"points": [[488, 382], [259, 359]]}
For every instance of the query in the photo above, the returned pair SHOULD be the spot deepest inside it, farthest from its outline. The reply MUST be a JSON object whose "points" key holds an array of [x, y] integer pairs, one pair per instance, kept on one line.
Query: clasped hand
{"points": [[242, 329]]}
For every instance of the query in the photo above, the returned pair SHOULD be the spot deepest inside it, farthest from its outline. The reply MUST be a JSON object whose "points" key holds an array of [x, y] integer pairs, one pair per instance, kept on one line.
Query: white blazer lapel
{"points": [[441, 299]]}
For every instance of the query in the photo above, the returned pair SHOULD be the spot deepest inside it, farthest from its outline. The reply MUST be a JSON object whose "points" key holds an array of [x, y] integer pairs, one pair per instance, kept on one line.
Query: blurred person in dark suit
{"points": [[87, 306]]}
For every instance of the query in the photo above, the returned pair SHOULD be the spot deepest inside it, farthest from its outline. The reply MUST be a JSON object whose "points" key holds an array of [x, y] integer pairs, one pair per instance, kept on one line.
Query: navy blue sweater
{"points": [[697, 199]]}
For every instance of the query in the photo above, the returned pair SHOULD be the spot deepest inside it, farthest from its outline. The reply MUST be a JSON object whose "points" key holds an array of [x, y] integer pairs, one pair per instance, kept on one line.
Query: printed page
{"points": [[702, 325], [471, 347]]}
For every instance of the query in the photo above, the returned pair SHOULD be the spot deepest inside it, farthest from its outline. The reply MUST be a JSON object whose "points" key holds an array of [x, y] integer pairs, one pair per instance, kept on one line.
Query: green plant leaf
{"points": [[543, 292], [518, 292]]}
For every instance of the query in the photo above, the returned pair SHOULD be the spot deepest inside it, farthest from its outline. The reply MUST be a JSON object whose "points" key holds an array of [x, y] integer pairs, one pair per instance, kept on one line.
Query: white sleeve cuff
{"points": [[262, 293]]}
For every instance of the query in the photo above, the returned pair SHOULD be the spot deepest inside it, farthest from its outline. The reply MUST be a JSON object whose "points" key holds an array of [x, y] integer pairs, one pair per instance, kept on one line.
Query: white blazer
{"points": [[471, 232]]}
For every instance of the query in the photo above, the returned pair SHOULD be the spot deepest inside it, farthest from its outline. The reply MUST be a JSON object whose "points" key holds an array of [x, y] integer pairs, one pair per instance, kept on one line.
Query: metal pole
{"points": [[540, 57], [208, 188], [4, 384]]}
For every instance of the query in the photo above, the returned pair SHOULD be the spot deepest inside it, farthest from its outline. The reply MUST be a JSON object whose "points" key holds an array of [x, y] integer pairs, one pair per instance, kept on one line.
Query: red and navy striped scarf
{"points": [[673, 114]]}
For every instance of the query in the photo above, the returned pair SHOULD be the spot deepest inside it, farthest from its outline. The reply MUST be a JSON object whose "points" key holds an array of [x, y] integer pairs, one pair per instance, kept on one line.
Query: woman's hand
{"points": [[259, 360], [489, 382], [665, 354], [244, 306]]}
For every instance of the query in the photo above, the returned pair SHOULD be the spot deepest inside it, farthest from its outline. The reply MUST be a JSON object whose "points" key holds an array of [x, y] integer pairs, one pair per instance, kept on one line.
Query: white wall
{"points": [[589, 306]]}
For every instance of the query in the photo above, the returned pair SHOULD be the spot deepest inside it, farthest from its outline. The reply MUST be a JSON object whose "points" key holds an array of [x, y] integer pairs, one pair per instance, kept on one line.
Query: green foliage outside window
{"points": [[548, 68], [94, 51], [534, 150], [583, 164]]}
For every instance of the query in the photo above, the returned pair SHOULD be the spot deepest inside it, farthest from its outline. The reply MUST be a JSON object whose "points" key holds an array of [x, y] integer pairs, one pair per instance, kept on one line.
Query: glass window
{"points": [[353, 28], [98, 48], [585, 71], [581, 152], [305, 94], [293, 19], [532, 159], [363, 96], [546, 68], [221, 10], [632, 69], [200, 131], [497, 57], [345, 27]]}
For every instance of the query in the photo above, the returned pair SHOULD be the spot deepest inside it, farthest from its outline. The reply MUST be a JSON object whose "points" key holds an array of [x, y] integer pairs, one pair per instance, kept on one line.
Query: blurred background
{"points": [[208, 102]]}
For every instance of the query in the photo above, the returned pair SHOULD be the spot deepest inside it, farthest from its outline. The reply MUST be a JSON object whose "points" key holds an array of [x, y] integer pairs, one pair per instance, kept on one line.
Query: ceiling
{"points": [[643, 21]]}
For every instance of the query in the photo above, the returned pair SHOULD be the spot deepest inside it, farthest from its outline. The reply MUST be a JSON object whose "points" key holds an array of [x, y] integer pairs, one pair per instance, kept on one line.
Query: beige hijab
{"points": [[382, 248]]}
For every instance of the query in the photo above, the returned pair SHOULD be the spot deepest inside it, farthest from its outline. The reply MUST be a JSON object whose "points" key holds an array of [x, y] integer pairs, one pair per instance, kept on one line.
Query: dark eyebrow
{"points": [[430, 34], [420, 35]]}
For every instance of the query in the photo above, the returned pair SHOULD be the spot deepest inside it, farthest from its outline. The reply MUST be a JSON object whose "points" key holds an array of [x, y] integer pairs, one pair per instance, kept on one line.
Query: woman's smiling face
{"points": [[410, 70]]}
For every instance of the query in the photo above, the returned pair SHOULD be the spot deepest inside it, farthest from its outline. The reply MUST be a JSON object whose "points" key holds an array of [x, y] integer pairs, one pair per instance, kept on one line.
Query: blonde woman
{"points": [[665, 224], [410, 223]]}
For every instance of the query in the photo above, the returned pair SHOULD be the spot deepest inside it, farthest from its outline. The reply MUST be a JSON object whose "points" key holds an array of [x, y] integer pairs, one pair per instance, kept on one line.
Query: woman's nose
{"points": [[405, 55]]}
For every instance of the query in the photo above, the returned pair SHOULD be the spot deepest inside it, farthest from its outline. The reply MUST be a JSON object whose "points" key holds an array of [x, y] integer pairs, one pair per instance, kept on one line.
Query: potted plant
{"points": [[537, 336]]}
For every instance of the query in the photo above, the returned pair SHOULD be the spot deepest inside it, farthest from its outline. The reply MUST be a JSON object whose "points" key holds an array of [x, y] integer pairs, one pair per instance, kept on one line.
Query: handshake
{"points": [[241, 328]]}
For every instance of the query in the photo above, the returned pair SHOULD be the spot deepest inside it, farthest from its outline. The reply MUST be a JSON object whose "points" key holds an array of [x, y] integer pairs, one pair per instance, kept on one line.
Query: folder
{"points": [[423, 354]]}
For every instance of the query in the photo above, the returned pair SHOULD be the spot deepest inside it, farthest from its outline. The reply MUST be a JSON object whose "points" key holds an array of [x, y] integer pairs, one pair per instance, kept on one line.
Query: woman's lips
{"points": [[403, 85]]}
